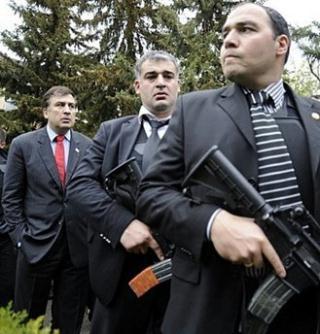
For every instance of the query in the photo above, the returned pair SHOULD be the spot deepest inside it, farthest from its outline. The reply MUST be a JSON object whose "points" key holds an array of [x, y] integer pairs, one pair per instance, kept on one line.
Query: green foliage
{"points": [[302, 81], [17, 323], [92, 46], [43, 49], [308, 40], [200, 41]]}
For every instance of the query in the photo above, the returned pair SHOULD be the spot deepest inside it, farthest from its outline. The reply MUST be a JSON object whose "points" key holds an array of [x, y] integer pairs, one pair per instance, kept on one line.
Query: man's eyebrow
{"points": [[151, 72], [65, 102], [156, 72], [239, 24]]}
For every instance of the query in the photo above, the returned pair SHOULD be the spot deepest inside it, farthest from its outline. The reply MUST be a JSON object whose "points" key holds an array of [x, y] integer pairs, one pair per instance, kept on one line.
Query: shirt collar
{"points": [[52, 135], [145, 111], [275, 90]]}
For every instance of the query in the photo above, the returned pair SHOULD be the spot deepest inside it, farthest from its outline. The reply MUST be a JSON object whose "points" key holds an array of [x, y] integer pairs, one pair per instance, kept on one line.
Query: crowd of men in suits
{"points": [[71, 236]]}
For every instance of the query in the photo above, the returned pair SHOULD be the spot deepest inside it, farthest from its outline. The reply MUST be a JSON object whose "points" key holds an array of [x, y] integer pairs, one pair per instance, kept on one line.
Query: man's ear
{"points": [[45, 113], [137, 86], [283, 44]]}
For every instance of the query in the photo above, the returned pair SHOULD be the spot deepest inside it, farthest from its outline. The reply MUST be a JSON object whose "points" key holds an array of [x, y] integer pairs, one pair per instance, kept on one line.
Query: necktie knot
{"points": [[258, 98], [59, 138], [155, 125]]}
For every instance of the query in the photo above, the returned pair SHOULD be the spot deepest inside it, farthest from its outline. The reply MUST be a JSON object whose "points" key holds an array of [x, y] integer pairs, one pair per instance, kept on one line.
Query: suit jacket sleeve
{"points": [[14, 191], [87, 198], [161, 202]]}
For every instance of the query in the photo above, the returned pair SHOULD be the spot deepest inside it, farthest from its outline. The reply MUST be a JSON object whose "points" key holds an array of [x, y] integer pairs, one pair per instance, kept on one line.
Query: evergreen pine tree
{"points": [[308, 40], [46, 50]]}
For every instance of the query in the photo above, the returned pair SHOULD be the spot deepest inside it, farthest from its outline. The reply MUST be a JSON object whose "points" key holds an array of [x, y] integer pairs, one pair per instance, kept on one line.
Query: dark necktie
{"points": [[276, 175], [59, 157], [152, 143], [277, 181]]}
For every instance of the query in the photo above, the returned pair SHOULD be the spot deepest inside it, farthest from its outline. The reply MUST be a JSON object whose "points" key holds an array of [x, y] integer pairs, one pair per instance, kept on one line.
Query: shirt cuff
{"points": [[210, 223]]}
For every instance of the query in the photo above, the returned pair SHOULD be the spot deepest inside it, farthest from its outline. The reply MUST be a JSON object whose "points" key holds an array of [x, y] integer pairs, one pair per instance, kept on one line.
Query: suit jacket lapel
{"points": [[234, 103], [46, 155], [74, 154], [312, 127], [128, 135]]}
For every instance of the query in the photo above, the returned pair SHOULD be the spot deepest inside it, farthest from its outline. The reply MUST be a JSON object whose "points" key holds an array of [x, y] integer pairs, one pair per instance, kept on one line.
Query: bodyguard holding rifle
{"points": [[120, 245], [293, 232], [271, 135]]}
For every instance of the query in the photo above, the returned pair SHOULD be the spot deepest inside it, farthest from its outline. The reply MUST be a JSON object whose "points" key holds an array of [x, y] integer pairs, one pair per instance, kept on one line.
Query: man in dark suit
{"points": [[7, 252], [120, 245], [52, 249], [213, 245]]}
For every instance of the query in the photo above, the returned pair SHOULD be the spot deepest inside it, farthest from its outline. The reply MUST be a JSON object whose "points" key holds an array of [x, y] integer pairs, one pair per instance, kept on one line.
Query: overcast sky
{"points": [[297, 13]]}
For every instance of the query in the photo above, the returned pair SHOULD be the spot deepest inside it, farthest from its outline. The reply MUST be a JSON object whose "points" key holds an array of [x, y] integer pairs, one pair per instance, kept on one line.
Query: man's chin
{"points": [[161, 107], [66, 126], [234, 76]]}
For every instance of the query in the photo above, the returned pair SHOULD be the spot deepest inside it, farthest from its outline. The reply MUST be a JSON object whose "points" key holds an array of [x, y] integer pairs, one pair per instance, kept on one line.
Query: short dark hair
{"points": [[279, 26], [156, 55], [278, 23], [55, 91]]}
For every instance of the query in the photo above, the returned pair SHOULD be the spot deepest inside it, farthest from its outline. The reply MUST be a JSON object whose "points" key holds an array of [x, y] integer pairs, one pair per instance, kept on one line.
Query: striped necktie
{"points": [[152, 143], [276, 175]]}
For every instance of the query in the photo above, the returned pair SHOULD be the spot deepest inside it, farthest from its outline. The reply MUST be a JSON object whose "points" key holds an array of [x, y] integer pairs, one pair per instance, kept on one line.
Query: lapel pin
{"points": [[77, 150], [315, 116]]}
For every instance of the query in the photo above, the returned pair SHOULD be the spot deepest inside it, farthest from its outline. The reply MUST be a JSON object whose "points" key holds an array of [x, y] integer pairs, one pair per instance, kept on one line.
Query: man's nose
{"points": [[67, 109], [160, 81], [231, 39]]}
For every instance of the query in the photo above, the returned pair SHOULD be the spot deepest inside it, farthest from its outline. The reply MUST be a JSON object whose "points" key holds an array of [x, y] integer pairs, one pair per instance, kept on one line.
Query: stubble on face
{"points": [[158, 87]]}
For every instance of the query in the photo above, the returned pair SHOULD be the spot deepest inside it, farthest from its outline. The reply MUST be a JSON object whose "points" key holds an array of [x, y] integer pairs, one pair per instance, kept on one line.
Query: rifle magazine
{"points": [[151, 277], [266, 303]]}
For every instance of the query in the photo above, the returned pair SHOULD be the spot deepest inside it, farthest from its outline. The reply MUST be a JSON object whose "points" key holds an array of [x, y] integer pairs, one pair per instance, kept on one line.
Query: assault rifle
{"points": [[293, 232], [122, 183]]}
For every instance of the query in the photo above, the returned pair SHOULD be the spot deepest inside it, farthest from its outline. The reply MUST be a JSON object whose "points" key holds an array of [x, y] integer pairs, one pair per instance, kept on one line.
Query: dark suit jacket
{"points": [[3, 163], [107, 219], [34, 199], [201, 277]]}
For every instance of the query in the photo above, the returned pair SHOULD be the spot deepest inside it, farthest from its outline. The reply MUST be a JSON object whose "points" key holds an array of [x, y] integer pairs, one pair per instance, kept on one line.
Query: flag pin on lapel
{"points": [[315, 116]]}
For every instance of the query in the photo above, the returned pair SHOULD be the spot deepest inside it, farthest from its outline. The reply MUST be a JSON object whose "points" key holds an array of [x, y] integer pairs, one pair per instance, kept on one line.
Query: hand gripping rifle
{"points": [[293, 232], [122, 183]]}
